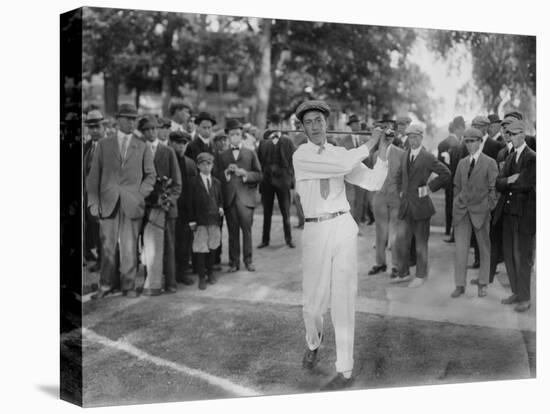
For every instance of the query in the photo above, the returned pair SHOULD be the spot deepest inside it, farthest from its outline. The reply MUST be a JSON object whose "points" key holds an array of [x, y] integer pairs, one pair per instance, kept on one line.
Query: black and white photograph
{"points": [[296, 205]]}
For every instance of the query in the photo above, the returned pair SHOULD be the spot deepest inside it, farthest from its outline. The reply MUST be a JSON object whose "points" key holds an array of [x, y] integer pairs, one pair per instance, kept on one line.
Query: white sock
{"points": [[347, 374]]}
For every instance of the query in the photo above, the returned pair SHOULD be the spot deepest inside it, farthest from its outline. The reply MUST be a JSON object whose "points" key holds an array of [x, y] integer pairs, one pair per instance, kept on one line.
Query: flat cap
{"points": [[473, 133], [414, 129], [178, 104], [313, 105], [516, 127], [94, 117], [508, 120], [514, 114], [353, 118], [458, 122], [205, 157], [148, 121], [164, 123], [180, 136], [217, 137], [403, 120], [127, 110], [480, 120], [275, 119]]}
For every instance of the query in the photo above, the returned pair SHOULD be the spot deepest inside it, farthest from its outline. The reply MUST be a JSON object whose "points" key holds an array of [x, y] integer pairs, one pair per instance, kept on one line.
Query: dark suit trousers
{"points": [[518, 256], [183, 243], [448, 209], [420, 229], [268, 197], [119, 226], [239, 218], [92, 237], [496, 248], [169, 259]]}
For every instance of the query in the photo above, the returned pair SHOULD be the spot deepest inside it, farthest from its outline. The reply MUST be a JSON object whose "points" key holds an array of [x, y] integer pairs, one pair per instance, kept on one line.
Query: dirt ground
{"points": [[245, 336]]}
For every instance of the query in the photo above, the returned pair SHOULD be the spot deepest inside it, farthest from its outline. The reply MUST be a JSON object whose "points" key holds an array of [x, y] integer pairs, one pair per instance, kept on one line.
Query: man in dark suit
{"points": [[275, 156], [456, 130], [184, 236], [517, 206], [416, 207], [94, 123], [122, 175], [203, 140], [400, 140], [474, 200], [239, 173], [160, 219]]}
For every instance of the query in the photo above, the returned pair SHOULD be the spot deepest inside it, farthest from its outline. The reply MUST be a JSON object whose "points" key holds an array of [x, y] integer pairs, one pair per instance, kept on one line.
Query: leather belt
{"points": [[324, 217]]}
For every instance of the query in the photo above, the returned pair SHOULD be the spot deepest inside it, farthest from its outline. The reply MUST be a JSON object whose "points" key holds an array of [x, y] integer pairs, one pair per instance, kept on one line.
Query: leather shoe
{"points": [[311, 358], [458, 291], [394, 273], [510, 300], [290, 244], [474, 282], [522, 306], [212, 279], [339, 382], [202, 283], [171, 290], [186, 281], [482, 291], [132, 294], [475, 265], [217, 267], [262, 245], [377, 269], [399, 279], [449, 240], [151, 292], [233, 269], [100, 294], [250, 267]]}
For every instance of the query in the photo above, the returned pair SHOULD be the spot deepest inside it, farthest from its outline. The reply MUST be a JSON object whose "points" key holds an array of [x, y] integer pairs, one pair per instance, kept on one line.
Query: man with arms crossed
{"points": [[329, 239]]}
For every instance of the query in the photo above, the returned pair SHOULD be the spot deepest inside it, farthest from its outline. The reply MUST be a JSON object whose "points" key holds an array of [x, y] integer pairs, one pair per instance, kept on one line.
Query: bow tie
{"points": [[234, 148]]}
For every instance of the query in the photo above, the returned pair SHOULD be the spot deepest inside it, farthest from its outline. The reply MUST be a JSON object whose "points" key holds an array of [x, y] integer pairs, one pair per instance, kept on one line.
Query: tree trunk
{"points": [[138, 96], [263, 79], [110, 93], [201, 78], [166, 92]]}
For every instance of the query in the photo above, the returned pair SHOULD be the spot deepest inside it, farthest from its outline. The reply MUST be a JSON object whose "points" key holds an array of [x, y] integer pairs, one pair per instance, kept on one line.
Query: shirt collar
{"points": [[205, 140], [475, 156], [153, 144], [414, 152], [519, 150], [483, 139], [240, 146], [510, 146], [204, 176], [122, 135]]}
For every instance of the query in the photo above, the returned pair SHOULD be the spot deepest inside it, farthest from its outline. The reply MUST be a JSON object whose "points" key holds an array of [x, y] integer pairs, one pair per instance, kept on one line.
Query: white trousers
{"points": [[329, 264]]}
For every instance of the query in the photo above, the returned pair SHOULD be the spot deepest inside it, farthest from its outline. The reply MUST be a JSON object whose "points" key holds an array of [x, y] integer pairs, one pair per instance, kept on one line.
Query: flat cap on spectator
{"points": [[414, 129], [514, 114], [516, 127], [494, 119], [507, 120], [127, 110], [480, 120], [217, 137], [232, 123], [403, 120], [267, 133], [178, 104], [473, 133], [204, 116], [205, 157], [313, 105], [275, 119], [164, 123], [180, 136], [94, 117], [458, 122], [148, 121], [353, 118]]}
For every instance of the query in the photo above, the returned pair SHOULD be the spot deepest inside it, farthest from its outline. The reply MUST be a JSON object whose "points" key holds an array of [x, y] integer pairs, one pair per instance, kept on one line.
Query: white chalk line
{"points": [[127, 347]]}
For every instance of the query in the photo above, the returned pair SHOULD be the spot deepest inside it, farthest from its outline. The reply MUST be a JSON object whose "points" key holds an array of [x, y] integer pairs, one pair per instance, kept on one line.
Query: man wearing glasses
{"points": [[474, 198], [517, 207]]}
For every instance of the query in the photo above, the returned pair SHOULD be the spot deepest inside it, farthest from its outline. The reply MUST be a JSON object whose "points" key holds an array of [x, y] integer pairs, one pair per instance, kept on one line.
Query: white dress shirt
{"points": [[519, 150], [414, 153], [475, 155], [174, 126], [338, 165], [120, 137], [153, 145], [206, 179]]}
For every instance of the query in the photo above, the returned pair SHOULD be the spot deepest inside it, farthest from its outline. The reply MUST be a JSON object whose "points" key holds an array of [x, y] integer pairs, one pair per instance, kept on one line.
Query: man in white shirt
{"points": [[329, 240]]}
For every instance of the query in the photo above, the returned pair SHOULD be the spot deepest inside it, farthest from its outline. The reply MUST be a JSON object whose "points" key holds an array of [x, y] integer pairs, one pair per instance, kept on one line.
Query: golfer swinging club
{"points": [[329, 240]]}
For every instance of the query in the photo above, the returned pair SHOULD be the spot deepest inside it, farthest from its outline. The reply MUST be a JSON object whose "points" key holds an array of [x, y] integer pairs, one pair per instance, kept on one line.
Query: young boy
{"points": [[206, 209]]}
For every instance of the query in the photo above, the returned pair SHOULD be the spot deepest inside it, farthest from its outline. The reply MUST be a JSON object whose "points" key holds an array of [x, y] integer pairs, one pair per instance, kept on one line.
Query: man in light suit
{"points": [[386, 208], [239, 173], [474, 198], [416, 207], [122, 175], [517, 207]]}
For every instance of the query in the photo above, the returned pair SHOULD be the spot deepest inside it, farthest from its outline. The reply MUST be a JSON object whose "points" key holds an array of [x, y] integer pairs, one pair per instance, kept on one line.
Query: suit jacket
{"points": [[188, 171], [491, 148], [347, 142], [400, 144], [235, 187], [393, 179], [519, 198], [112, 179], [166, 165], [204, 205], [501, 157], [196, 146], [281, 176], [476, 195], [415, 175]]}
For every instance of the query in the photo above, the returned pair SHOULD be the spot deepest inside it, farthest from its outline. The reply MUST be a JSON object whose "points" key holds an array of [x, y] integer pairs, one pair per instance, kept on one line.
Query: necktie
{"points": [[208, 185], [472, 164], [324, 185], [124, 147], [234, 148]]}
